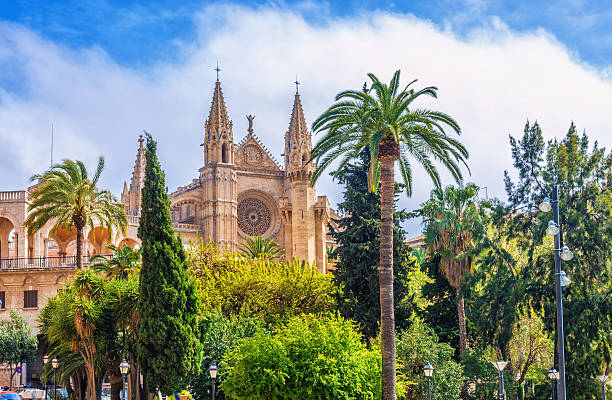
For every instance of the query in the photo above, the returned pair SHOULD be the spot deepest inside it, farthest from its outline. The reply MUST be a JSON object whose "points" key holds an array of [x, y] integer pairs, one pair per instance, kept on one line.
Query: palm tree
{"points": [[382, 120], [120, 265], [256, 247], [68, 197], [454, 222]]}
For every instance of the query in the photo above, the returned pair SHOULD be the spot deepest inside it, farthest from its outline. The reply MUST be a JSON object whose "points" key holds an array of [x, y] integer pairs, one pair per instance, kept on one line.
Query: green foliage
{"points": [[455, 223], [168, 349], [308, 358], [266, 289], [584, 175], [125, 261], [361, 119], [482, 377], [256, 248], [81, 324], [17, 343], [358, 250], [68, 197], [218, 336], [419, 345]]}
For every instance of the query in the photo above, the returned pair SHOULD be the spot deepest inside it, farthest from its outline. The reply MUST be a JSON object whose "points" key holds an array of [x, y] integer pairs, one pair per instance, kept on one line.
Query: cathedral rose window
{"points": [[253, 217]]}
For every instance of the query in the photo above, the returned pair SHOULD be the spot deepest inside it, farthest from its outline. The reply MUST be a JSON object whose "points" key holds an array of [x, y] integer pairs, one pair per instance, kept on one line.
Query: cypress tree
{"points": [[357, 254], [168, 349]]}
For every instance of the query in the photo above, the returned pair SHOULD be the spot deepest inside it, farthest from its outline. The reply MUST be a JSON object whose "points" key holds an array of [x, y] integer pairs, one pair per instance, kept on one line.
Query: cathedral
{"points": [[242, 191]]}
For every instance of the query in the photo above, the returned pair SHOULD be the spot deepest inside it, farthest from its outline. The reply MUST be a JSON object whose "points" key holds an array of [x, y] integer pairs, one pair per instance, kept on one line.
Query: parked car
{"points": [[32, 394], [9, 395]]}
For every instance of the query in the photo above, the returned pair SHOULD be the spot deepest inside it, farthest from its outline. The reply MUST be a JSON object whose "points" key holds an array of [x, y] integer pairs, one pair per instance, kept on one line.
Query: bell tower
{"points": [[218, 176], [305, 222]]}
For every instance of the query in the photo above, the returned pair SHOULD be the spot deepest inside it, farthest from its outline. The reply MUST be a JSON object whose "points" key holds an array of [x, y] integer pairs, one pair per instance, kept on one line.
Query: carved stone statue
{"points": [[250, 118]]}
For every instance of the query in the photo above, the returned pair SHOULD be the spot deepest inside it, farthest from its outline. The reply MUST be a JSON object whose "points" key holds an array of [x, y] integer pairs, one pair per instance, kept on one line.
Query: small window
{"points": [[224, 153], [30, 299], [3, 300]]}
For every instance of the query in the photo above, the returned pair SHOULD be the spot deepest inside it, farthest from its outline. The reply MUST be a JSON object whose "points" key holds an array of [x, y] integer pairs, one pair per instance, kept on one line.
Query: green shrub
{"points": [[315, 358]]}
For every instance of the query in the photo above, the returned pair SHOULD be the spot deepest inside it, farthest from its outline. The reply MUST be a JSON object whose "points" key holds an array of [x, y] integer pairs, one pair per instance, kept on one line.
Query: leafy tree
{"points": [[584, 176], [382, 119], [266, 289], [218, 336], [168, 349], [17, 343], [454, 224], [256, 247], [531, 351], [419, 345], [309, 358], [358, 251], [67, 196]]}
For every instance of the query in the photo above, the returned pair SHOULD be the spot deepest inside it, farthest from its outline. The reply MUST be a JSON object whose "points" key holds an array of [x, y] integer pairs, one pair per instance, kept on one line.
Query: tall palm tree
{"points": [[67, 196], [120, 265], [454, 223], [382, 120], [256, 247]]}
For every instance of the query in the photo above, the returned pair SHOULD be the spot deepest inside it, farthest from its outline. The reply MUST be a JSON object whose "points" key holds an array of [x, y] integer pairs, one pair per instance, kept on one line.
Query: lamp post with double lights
{"points": [[499, 366], [603, 379], [553, 375], [55, 364], [428, 370], [124, 367], [562, 253], [212, 370]]}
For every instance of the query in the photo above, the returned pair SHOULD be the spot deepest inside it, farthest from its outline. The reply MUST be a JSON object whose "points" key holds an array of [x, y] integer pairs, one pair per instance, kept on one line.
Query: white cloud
{"points": [[492, 82]]}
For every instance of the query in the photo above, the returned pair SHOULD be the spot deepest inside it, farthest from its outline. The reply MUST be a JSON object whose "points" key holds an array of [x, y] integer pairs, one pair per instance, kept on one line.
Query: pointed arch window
{"points": [[224, 153]]}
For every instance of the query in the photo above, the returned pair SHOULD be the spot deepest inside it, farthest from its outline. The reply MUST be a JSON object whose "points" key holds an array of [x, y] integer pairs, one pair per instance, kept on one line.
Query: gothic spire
{"points": [[138, 173], [298, 141], [218, 122], [297, 125]]}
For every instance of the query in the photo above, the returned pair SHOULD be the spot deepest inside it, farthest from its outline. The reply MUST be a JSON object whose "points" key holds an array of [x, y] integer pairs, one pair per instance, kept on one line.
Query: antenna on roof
{"points": [[51, 145]]}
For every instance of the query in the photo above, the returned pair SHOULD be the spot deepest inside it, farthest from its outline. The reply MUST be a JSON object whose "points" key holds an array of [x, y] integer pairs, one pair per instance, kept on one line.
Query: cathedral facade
{"points": [[241, 190]]}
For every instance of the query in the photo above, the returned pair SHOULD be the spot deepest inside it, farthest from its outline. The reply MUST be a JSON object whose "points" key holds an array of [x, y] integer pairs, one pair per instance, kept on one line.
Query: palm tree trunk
{"points": [[462, 326], [388, 152], [79, 249]]}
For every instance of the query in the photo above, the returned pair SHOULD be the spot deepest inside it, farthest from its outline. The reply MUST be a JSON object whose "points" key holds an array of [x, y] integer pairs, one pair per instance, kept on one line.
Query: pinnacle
{"points": [[297, 124], [218, 119], [138, 173]]}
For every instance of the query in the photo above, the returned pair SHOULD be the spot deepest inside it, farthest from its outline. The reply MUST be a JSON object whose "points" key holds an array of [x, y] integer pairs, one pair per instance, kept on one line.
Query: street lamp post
{"points": [[553, 375], [603, 379], [561, 253], [123, 367], [45, 361], [499, 366], [212, 370], [55, 364], [428, 369]]}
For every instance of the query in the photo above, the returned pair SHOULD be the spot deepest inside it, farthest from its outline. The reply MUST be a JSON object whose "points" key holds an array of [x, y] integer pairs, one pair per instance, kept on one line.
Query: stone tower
{"points": [[218, 176], [130, 198], [304, 217]]}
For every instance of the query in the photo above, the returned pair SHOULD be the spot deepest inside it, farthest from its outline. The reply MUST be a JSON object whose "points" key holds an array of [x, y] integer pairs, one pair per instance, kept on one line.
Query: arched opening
{"points": [[304, 158], [7, 238], [224, 153], [99, 239], [130, 243]]}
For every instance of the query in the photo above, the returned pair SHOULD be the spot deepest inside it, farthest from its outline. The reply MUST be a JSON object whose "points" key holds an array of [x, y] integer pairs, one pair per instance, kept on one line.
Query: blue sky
{"points": [[102, 71], [141, 32]]}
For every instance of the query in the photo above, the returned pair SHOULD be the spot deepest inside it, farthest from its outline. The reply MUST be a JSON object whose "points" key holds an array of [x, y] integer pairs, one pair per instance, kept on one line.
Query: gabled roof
{"points": [[263, 160]]}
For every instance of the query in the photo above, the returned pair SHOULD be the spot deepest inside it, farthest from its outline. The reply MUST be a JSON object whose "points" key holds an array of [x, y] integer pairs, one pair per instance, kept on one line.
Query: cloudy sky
{"points": [[102, 71]]}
